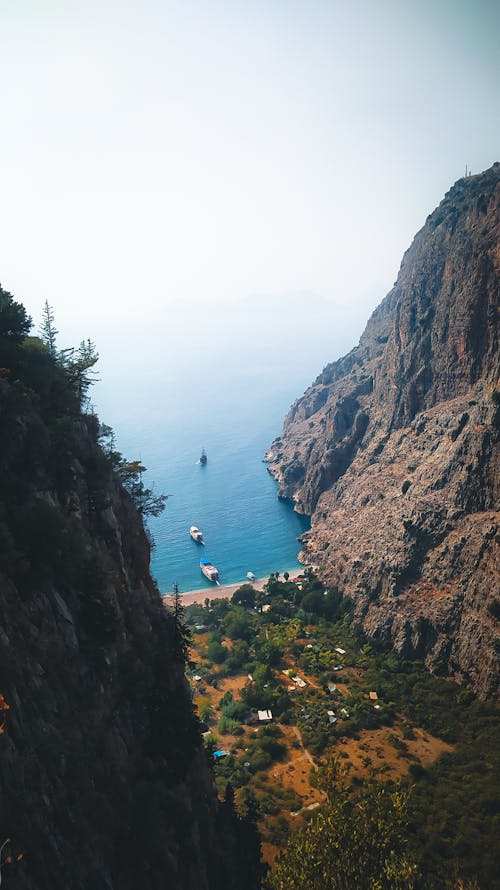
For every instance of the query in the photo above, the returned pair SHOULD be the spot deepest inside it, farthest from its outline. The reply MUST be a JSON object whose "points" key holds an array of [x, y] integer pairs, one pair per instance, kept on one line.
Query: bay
{"points": [[225, 384]]}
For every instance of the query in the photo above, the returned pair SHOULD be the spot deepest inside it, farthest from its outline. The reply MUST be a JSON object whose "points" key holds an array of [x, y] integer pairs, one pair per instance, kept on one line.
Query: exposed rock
{"points": [[104, 783], [394, 449]]}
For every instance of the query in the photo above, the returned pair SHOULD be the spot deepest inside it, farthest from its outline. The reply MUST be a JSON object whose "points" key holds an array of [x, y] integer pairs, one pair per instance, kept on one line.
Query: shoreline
{"points": [[224, 591]]}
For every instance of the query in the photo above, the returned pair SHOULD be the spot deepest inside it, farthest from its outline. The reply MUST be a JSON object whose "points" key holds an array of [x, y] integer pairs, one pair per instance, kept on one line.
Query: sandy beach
{"points": [[224, 592]]}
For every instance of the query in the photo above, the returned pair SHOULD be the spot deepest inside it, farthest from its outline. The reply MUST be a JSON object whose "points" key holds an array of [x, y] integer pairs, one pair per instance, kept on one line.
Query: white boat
{"points": [[196, 534], [209, 570], [250, 576]]}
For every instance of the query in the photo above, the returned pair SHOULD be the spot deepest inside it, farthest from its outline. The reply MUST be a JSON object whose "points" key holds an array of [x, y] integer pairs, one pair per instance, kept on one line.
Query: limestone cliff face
{"points": [[394, 449], [103, 780]]}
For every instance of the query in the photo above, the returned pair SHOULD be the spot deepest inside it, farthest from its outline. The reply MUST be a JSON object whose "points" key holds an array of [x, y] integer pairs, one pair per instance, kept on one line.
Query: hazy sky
{"points": [[155, 153]]}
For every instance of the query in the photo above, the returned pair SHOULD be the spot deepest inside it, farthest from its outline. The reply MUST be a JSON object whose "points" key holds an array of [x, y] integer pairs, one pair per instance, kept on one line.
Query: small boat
{"points": [[196, 534], [203, 457], [250, 576], [209, 570]]}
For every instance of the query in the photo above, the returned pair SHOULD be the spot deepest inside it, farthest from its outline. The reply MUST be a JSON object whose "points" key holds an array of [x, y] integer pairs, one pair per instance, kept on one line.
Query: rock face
{"points": [[103, 779], [393, 450]]}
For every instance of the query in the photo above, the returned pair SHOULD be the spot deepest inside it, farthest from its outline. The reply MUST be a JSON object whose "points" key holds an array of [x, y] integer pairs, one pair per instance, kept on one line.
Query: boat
{"points": [[250, 576], [209, 570], [203, 456], [196, 534]]}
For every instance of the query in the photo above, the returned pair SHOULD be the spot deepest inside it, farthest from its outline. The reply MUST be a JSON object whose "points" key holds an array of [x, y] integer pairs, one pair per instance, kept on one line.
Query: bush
{"points": [[216, 652], [226, 726]]}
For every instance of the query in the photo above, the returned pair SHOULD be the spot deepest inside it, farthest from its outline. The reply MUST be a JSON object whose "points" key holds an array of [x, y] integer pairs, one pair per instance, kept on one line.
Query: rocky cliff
{"points": [[103, 779], [393, 450]]}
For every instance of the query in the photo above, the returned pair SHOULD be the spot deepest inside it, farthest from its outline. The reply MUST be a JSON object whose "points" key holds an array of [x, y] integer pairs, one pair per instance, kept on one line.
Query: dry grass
{"points": [[387, 761]]}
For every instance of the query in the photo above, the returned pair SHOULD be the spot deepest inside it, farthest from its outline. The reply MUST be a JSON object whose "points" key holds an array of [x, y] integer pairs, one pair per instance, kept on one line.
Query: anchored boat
{"points": [[196, 534], [203, 456], [209, 570]]}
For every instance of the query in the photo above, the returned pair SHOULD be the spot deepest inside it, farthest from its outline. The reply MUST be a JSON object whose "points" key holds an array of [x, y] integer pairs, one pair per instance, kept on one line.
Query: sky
{"points": [[163, 160]]}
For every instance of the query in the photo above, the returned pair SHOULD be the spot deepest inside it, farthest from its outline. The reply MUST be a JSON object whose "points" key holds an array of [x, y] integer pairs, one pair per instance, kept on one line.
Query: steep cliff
{"points": [[103, 780], [394, 449]]}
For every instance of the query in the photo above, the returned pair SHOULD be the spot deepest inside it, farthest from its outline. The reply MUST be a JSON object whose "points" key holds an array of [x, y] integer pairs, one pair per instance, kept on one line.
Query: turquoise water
{"points": [[232, 498], [225, 386]]}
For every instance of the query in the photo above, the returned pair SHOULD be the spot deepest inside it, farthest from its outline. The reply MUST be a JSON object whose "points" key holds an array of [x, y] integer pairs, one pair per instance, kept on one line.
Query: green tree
{"points": [[15, 323], [79, 364], [48, 330], [244, 596], [147, 503], [182, 634], [238, 624], [351, 842], [106, 438], [216, 653]]}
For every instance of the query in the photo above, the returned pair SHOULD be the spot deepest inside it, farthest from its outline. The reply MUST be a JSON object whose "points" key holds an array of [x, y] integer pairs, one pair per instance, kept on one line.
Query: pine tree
{"points": [[147, 503], [79, 364], [182, 633], [48, 330]]}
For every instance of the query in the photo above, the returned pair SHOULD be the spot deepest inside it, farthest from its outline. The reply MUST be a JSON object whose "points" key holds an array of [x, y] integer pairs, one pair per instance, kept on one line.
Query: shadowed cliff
{"points": [[394, 449], [103, 780]]}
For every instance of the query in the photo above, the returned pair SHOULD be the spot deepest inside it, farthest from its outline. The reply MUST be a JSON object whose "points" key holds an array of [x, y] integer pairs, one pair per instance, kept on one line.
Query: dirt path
{"points": [[301, 743]]}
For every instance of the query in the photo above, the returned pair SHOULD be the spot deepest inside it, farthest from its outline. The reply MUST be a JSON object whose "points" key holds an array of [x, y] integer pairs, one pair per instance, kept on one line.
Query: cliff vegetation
{"points": [[103, 779], [393, 450]]}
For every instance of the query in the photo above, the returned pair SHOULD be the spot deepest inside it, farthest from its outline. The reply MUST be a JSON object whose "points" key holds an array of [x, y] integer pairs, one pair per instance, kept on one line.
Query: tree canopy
{"points": [[351, 842], [15, 323]]}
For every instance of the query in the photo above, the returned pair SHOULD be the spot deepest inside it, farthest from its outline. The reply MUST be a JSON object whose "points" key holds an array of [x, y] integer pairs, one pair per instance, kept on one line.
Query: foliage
{"points": [[238, 625], [15, 323], [146, 502], [244, 596], [452, 817], [48, 330], [79, 366], [350, 843]]}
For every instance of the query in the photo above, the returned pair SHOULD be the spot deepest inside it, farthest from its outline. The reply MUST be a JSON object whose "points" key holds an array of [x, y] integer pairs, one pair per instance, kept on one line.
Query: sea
{"points": [[226, 389]]}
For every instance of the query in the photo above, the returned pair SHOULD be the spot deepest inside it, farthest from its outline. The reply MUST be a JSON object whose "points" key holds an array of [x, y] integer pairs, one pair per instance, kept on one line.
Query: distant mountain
{"points": [[394, 449]]}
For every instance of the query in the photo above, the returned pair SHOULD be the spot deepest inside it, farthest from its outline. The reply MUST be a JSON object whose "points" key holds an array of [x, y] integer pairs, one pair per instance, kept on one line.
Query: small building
{"points": [[250, 677], [339, 650], [265, 716], [344, 713], [373, 696], [196, 678], [299, 681], [266, 607], [331, 687], [219, 754], [377, 707], [331, 717]]}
